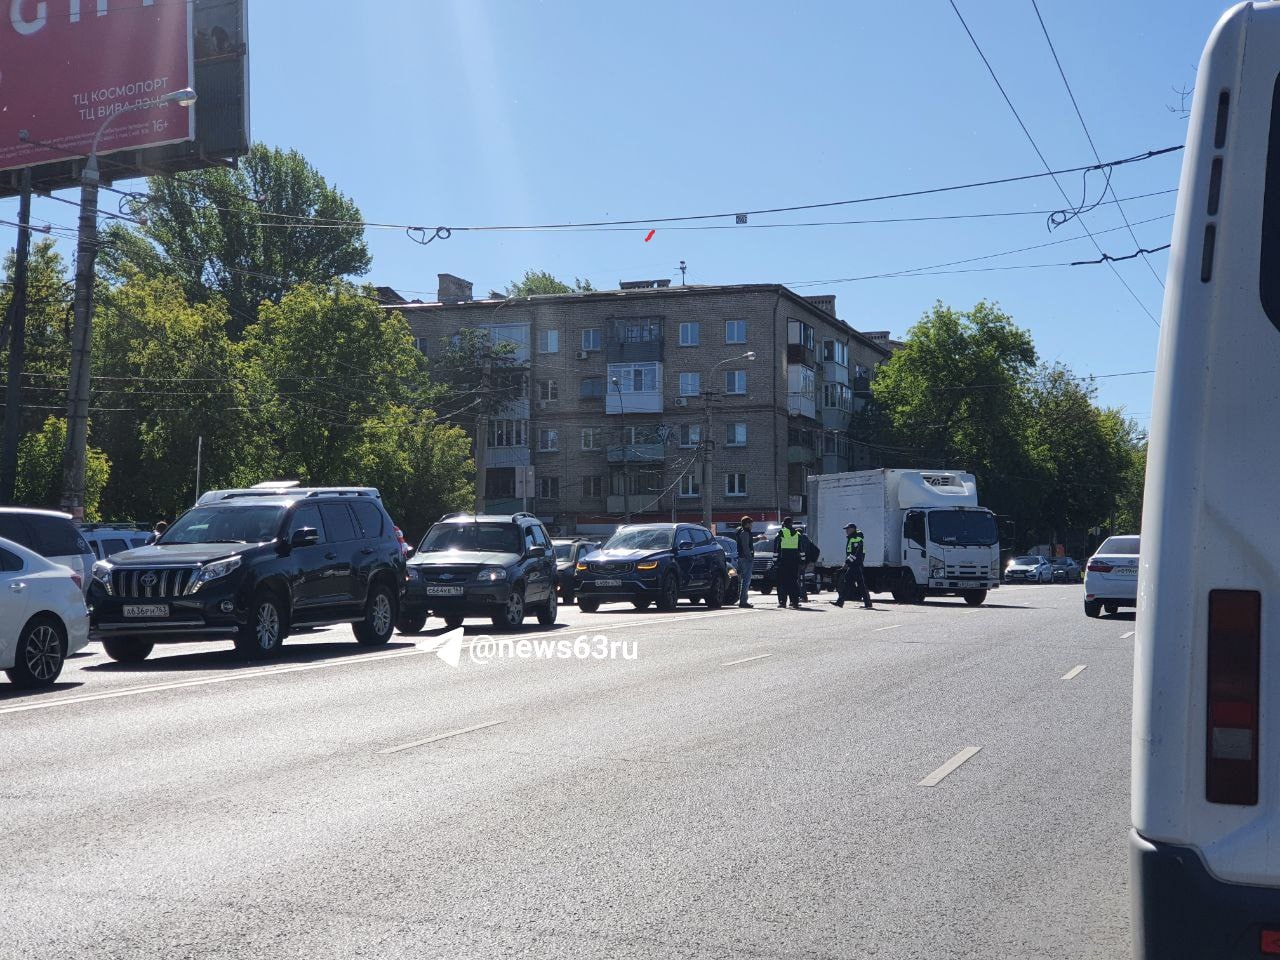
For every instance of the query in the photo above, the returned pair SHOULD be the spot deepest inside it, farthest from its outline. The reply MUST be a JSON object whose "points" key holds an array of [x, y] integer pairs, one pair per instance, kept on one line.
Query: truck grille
{"points": [[970, 571], [609, 566], [148, 584]]}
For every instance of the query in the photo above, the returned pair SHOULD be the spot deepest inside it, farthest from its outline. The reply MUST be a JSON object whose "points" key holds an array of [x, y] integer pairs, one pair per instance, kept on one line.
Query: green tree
{"points": [[47, 353], [39, 479], [248, 234], [535, 282]]}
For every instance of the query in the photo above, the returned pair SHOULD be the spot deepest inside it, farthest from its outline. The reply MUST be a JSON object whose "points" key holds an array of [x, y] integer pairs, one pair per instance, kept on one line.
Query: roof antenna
{"points": [[683, 268]]}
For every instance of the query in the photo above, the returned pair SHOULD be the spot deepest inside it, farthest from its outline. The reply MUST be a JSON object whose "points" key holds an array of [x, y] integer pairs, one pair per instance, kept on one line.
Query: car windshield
{"points": [[969, 528], [729, 546], [564, 551], [1063, 562], [474, 537], [641, 539], [225, 524], [1026, 561], [1124, 546]]}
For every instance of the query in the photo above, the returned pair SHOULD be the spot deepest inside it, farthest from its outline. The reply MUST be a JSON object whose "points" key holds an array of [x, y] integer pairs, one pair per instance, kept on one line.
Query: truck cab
{"points": [[949, 551]]}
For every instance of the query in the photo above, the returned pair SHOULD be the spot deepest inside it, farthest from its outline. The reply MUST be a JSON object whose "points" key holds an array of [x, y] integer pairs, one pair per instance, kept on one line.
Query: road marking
{"points": [[734, 663], [203, 681], [1126, 636], [442, 736], [894, 626], [935, 778], [1074, 672]]}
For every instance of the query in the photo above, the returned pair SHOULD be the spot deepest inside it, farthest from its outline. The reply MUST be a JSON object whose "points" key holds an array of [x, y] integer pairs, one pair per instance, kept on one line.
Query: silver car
{"points": [[1029, 569]]}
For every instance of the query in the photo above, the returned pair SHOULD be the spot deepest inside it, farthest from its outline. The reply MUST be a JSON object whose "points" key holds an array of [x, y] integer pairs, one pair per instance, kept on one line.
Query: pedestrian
{"points": [[853, 577], [786, 547], [160, 527], [809, 554], [746, 558]]}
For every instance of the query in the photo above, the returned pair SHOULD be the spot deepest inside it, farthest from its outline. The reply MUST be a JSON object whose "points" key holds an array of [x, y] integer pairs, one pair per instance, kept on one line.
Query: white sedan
{"points": [[43, 619], [1111, 576]]}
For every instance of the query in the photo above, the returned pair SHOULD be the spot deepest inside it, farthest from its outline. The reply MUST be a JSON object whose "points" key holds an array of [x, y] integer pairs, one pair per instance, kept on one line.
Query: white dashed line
{"points": [[892, 626], [1074, 672], [935, 778], [1126, 636], [442, 736], [734, 663]]}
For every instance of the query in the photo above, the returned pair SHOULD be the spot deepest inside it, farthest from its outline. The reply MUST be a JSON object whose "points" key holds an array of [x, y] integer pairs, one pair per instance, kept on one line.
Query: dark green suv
{"points": [[499, 567]]}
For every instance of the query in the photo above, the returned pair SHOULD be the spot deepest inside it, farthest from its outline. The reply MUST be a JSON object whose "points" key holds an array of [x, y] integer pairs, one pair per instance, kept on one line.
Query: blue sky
{"points": [[473, 112]]}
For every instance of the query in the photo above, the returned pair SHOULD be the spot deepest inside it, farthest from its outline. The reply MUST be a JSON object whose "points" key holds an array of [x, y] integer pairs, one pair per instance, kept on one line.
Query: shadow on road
{"points": [[9, 693], [1129, 615], [290, 654], [472, 630]]}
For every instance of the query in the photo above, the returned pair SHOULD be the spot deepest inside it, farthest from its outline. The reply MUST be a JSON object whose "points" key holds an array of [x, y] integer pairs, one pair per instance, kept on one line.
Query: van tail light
{"points": [[1234, 660], [1099, 566]]}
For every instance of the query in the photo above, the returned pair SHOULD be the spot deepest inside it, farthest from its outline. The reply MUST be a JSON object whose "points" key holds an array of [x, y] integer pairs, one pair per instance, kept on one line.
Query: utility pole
{"points": [[17, 348], [626, 454], [482, 433], [199, 455], [707, 446], [76, 453]]}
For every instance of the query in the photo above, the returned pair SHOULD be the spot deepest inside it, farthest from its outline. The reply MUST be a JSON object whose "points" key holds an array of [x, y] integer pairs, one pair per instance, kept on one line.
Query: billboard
{"points": [[66, 66]]}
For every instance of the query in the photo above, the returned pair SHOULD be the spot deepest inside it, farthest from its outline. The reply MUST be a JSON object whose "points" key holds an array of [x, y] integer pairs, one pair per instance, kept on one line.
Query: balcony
{"points": [[638, 453], [798, 453], [862, 387], [506, 457], [636, 503], [799, 353], [798, 503], [635, 340]]}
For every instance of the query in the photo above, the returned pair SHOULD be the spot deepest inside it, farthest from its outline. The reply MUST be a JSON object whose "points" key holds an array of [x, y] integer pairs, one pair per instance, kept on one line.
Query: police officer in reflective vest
{"points": [[853, 579], [786, 547]]}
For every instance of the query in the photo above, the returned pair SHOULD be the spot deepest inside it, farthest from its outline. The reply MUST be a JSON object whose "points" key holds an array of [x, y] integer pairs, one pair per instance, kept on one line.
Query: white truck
{"points": [[924, 533]]}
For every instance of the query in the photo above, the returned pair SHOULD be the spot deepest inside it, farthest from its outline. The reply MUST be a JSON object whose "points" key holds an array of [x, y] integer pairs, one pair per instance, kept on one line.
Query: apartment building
{"points": [[627, 390]]}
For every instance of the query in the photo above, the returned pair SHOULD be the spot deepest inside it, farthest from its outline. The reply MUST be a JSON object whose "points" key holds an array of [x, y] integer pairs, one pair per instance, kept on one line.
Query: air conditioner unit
{"points": [[682, 401], [582, 354]]}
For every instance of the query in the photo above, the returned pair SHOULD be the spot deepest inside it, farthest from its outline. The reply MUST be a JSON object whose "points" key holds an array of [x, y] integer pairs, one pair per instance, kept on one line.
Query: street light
{"points": [[626, 453], [707, 442], [73, 460]]}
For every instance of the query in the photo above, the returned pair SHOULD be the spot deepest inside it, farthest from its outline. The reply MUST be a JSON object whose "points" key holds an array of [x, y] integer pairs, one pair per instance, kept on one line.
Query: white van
{"points": [[1205, 844]]}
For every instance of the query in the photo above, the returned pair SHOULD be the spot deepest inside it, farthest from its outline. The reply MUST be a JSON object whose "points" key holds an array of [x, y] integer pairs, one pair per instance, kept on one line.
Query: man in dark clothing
{"points": [[746, 558], [809, 554], [853, 578], [786, 547]]}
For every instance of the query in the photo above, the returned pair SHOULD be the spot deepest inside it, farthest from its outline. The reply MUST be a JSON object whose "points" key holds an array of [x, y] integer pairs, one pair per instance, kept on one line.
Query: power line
{"points": [[1040, 154], [1089, 136]]}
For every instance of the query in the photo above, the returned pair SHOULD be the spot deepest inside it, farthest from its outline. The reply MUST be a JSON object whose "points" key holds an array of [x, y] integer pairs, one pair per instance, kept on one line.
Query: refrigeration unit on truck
{"points": [[924, 533]]}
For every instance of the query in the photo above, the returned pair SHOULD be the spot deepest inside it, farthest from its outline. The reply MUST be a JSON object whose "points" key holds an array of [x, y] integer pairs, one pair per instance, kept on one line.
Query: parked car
{"points": [[51, 534], [499, 567], [108, 539], [1029, 569], [1066, 570], [43, 618], [654, 563], [253, 566], [569, 550], [1111, 576]]}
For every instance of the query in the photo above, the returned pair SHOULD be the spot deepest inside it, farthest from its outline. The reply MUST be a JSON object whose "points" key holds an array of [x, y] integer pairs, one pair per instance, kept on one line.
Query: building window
{"points": [[837, 396], [735, 331], [634, 377], [860, 371], [736, 435], [735, 381], [422, 343], [690, 384], [592, 438], [507, 433], [592, 488], [591, 388], [548, 390], [690, 434], [735, 484], [591, 338], [548, 440], [500, 483], [800, 333], [644, 434], [645, 480], [690, 333], [548, 341], [835, 351], [548, 488], [644, 330], [690, 486]]}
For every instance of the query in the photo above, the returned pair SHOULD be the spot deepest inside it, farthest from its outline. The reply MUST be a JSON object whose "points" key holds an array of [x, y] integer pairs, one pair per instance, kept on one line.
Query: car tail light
{"points": [[78, 580], [1270, 943], [1100, 566], [1234, 661]]}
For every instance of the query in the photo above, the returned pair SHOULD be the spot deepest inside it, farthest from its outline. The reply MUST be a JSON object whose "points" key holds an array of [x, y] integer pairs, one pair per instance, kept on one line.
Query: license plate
{"points": [[146, 610], [1125, 571], [434, 590], [608, 583], [757, 576]]}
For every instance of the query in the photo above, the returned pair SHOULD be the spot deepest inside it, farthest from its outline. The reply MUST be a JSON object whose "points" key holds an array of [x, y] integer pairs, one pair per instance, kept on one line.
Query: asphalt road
{"points": [[736, 783]]}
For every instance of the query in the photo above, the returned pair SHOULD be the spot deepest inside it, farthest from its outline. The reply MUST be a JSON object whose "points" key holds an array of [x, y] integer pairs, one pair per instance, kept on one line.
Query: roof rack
{"points": [[286, 488], [116, 525], [523, 515]]}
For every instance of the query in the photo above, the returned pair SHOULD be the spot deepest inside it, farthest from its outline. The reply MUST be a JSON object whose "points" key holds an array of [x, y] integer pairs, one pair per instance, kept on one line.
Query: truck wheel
{"points": [[1092, 608], [411, 622], [379, 617], [670, 595], [975, 598], [262, 636], [127, 649]]}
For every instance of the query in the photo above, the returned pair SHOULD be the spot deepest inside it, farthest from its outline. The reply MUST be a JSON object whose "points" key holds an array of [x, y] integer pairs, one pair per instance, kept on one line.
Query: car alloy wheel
{"points": [[266, 626], [670, 593], [42, 652], [382, 614]]}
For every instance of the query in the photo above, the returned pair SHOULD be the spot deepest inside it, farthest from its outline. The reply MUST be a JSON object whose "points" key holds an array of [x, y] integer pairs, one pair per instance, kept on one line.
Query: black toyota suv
{"points": [[654, 563], [481, 566], [252, 566]]}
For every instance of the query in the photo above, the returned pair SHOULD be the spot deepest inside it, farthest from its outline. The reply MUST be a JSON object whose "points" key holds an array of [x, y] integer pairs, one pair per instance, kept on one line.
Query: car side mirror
{"points": [[410, 552], [305, 537], [685, 546], [537, 551]]}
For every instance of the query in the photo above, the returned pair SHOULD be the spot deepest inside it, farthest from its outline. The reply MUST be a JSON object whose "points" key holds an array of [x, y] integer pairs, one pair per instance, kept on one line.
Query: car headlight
{"points": [[492, 574], [412, 573], [101, 575], [647, 565], [581, 567], [936, 567], [213, 571]]}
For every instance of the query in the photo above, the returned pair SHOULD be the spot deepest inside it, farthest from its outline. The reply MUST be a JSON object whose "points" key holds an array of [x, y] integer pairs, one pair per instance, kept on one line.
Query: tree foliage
{"points": [[248, 234], [535, 282], [39, 477]]}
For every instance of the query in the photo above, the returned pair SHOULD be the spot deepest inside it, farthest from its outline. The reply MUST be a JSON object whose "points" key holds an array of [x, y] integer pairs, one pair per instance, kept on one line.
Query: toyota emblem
{"points": [[446, 576], [149, 580]]}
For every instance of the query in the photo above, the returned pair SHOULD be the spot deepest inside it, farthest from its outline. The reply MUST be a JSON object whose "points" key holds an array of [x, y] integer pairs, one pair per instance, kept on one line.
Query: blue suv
{"points": [[654, 563]]}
